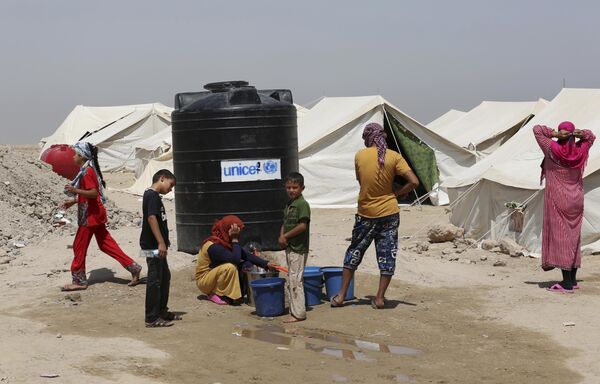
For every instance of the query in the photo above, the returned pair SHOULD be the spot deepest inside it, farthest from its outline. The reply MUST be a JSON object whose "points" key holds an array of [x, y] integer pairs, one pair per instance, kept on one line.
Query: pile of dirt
{"points": [[30, 194]]}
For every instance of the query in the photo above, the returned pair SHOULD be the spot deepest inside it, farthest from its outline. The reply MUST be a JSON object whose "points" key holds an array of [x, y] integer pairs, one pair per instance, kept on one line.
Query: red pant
{"points": [[107, 245]]}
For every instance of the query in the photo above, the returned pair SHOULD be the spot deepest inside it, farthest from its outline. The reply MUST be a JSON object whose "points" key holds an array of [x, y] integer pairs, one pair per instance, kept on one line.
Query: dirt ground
{"points": [[452, 318]]}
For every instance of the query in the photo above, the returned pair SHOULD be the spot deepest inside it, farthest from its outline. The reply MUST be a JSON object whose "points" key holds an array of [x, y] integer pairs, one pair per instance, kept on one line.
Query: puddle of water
{"points": [[279, 335], [341, 353]]}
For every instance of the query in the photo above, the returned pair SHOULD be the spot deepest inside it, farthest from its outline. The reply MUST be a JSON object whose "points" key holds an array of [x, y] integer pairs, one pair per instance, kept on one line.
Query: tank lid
{"points": [[224, 86]]}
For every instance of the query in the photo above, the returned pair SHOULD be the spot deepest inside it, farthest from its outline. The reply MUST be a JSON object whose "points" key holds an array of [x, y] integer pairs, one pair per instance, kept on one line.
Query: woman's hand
{"points": [[272, 265], [234, 232], [562, 134], [578, 133]]}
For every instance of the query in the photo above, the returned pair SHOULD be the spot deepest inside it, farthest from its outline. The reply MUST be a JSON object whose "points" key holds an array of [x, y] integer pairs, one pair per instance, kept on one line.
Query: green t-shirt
{"points": [[294, 212]]}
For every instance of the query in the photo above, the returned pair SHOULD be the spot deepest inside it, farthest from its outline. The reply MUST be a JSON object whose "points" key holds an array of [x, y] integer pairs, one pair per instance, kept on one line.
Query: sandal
{"points": [[375, 306], [334, 303], [217, 300], [159, 323], [559, 288], [135, 270], [170, 316]]}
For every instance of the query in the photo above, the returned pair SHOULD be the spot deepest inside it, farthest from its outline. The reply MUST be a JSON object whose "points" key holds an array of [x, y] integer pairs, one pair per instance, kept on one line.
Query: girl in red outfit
{"points": [[87, 191]]}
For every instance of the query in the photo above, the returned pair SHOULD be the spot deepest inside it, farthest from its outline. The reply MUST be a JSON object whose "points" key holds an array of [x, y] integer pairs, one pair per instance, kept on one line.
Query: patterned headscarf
{"points": [[374, 134], [84, 150], [219, 233]]}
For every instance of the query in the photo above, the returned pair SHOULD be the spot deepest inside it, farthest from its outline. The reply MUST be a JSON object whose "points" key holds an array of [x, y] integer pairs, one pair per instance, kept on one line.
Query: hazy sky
{"points": [[424, 56]]}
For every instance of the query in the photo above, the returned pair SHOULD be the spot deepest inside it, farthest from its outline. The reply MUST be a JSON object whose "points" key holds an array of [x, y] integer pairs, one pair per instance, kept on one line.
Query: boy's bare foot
{"points": [[135, 280], [292, 319], [73, 287]]}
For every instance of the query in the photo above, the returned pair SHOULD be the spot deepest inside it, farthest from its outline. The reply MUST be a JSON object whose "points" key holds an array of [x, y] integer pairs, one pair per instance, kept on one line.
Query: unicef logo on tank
{"points": [[271, 167], [250, 170]]}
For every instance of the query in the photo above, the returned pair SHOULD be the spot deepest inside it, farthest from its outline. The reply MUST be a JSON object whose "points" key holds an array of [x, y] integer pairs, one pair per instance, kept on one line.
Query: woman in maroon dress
{"points": [[563, 166]]}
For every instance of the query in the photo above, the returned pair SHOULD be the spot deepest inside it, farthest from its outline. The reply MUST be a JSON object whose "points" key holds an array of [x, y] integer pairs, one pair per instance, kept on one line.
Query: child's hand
{"points": [[162, 250], [66, 204], [283, 243], [69, 188]]}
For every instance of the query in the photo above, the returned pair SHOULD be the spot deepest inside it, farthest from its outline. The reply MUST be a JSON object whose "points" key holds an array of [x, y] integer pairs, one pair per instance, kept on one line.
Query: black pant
{"points": [[157, 288]]}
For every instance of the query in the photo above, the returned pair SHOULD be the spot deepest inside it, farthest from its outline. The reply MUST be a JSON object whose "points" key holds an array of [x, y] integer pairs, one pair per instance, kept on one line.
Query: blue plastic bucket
{"points": [[333, 282], [313, 286], [268, 296], [312, 268]]}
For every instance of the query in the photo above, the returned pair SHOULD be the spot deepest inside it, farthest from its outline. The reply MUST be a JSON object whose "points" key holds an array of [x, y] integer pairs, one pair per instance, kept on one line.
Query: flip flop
{"points": [[559, 288], [576, 286], [375, 306], [334, 303], [217, 300]]}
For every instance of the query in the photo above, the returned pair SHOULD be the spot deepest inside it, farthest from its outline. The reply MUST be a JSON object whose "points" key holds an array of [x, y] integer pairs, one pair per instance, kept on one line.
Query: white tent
{"points": [[152, 147], [330, 133], [447, 118], [486, 127], [115, 130], [512, 174], [144, 180]]}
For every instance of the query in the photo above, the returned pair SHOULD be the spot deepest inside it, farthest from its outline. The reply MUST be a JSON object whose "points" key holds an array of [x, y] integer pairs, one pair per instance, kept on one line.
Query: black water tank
{"points": [[232, 148]]}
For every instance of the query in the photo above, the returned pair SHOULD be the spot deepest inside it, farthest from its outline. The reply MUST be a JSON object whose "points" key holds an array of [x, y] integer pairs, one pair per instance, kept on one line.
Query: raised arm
{"points": [[544, 136], [588, 137]]}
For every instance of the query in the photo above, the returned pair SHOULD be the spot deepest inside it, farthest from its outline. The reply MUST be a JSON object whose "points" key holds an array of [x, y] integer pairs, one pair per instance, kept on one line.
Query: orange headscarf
{"points": [[219, 234]]}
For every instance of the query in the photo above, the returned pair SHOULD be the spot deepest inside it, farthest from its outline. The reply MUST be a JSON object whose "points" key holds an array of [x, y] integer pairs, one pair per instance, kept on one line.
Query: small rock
{"points": [[568, 324], [59, 336], [5, 259], [483, 258], [488, 244], [491, 274], [500, 263], [422, 246], [510, 247], [496, 249], [440, 233], [446, 251]]}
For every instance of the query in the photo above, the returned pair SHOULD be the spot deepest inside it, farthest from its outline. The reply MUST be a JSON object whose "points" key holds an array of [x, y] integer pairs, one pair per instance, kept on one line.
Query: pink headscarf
{"points": [[569, 152]]}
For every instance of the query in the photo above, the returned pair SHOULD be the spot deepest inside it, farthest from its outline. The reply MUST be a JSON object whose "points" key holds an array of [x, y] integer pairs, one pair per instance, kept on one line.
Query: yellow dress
{"points": [[222, 280]]}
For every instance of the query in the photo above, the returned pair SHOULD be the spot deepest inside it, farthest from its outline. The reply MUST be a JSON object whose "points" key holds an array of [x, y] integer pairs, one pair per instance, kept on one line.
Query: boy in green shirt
{"points": [[294, 237]]}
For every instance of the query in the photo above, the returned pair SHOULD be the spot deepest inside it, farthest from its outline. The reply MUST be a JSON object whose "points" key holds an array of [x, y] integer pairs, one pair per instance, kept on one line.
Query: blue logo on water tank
{"points": [[270, 167]]}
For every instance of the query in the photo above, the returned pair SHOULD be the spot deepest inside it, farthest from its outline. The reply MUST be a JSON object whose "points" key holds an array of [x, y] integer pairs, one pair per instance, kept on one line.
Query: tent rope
{"points": [[506, 217]]}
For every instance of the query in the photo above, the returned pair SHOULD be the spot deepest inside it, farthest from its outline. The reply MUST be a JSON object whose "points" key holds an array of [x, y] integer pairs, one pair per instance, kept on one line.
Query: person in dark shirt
{"points": [[154, 242], [220, 259]]}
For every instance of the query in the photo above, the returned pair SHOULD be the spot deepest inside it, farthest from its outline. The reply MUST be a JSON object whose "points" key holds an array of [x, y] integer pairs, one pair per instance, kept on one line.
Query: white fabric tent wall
{"points": [[115, 130], [144, 181], [447, 118], [487, 126], [512, 173], [330, 133], [152, 147]]}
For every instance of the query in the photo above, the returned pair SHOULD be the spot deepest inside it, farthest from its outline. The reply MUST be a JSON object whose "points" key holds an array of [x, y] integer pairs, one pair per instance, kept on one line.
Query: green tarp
{"points": [[420, 157]]}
